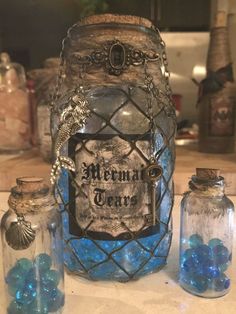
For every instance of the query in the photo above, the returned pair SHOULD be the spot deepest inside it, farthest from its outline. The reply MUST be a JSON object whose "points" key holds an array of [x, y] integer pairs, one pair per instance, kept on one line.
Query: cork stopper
{"points": [[115, 19], [30, 184], [207, 173], [221, 19]]}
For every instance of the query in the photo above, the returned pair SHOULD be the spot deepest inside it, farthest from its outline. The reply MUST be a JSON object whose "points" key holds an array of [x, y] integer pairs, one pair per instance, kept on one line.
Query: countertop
{"points": [[153, 294]]}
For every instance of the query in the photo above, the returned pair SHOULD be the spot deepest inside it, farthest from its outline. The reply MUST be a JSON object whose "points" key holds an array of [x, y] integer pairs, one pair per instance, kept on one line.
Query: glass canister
{"points": [[44, 80], [113, 128], [31, 233], [14, 107], [207, 218]]}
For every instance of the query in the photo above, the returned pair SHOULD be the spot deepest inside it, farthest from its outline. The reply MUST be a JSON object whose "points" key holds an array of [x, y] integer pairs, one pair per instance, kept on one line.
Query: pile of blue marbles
{"points": [[33, 287], [203, 266]]}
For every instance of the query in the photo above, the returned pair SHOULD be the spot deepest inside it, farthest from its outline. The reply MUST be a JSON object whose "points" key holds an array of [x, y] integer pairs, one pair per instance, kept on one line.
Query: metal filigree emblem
{"points": [[72, 118], [115, 57], [20, 234]]}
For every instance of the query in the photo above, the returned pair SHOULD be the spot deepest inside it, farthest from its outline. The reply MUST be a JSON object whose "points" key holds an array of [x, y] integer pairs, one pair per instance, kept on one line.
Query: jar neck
{"points": [[208, 188]]}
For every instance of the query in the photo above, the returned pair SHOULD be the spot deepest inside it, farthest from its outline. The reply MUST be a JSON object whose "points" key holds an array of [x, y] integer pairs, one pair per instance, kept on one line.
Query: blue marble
{"points": [[51, 277], [16, 308], [209, 269], [26, 295], [56, 301], [15, 279], [220, 254], [214, 242], [195, 240], [199, 283], [39, 306], [25, 264], [43, 262], [221, 283]]}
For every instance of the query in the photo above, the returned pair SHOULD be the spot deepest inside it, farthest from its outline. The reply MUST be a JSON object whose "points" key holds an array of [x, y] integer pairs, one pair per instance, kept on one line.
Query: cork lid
{"points": [[207, 173], [115, 19], [30, 184]]}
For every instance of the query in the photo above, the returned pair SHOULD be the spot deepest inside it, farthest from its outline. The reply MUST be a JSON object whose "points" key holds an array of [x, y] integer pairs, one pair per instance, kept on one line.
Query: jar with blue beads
{"points": [[206, 236], [31, 233], [113, 128]]}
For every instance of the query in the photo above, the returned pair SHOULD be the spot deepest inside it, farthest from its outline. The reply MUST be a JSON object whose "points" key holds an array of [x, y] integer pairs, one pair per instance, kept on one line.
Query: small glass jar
{"points": [[206, 236], [33, 251]]}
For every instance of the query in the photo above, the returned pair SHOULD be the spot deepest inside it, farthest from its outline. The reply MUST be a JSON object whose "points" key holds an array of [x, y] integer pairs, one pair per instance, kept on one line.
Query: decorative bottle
{"points": [[217, 97], [31, 233], [207, 224], [113, 128]]}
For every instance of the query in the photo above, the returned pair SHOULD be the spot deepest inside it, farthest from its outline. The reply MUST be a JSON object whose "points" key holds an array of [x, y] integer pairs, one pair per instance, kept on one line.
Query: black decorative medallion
{"points": [[115, 57]]}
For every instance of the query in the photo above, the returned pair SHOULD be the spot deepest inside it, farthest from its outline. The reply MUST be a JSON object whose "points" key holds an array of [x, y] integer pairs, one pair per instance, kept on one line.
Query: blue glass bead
{"points": [[56, 301], [15, 279], [51, 276], [202, 253], [199, 283], [39, 306], [195, 240], [25, 264], [209, 269], [220, 254], [223, 267], [220, 284], [187, 254], [43, 262], [16, 308], [214, 242], [189, 265], [26, 295]]}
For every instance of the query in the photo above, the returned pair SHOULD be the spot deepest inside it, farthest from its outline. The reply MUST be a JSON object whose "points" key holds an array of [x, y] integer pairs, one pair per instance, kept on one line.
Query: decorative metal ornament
{"points": [[115, 56], [20, 234], [72, 119]]}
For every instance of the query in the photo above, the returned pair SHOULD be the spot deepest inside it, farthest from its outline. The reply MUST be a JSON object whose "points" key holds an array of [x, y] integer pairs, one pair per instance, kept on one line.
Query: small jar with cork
{"points": [[33, 251], [206, 235]]}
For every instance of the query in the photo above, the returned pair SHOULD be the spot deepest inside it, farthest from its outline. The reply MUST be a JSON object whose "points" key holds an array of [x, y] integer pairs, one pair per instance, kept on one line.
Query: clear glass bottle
{"points": [[31, 233], [14, 107], [117, 204], [207, 218]]}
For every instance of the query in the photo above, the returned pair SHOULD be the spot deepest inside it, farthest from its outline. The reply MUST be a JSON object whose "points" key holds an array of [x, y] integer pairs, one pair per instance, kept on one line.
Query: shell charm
{"points": [[20, 234]]}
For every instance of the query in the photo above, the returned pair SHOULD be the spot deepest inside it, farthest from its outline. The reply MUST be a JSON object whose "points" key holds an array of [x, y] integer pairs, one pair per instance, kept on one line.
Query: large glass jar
{"points": [[207, 218], [31, 233], [114, 127]]}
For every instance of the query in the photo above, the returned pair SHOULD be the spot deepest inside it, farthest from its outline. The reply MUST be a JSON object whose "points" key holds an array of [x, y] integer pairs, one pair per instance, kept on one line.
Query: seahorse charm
{"points": [[72, 119]]}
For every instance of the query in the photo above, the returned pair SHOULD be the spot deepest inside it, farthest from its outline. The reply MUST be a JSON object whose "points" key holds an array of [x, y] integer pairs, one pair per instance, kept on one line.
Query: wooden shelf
{"points": [[188, 158]]}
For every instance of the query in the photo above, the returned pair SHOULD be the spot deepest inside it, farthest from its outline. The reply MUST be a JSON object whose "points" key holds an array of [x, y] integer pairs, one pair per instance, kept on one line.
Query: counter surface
{"points": [[156, 293]]}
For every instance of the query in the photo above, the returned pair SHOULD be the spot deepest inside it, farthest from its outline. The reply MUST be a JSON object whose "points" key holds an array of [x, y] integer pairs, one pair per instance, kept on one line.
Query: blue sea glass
{"points": [[214, 242], [56, 300]]}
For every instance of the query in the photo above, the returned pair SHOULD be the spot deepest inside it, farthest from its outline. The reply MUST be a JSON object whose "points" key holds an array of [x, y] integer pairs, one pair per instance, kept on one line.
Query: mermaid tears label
{"points": [[111, 194]]}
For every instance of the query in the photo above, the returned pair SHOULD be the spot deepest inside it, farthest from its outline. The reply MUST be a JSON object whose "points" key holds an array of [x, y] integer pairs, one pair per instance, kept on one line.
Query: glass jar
{"points": [[14, 107], [117, 196], [207, 217], [45, 80], [31, 233]]}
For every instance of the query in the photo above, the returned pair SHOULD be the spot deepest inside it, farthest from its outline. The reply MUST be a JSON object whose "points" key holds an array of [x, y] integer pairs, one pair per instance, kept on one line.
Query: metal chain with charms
{"points": [[153, 172], [72, 118]]}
